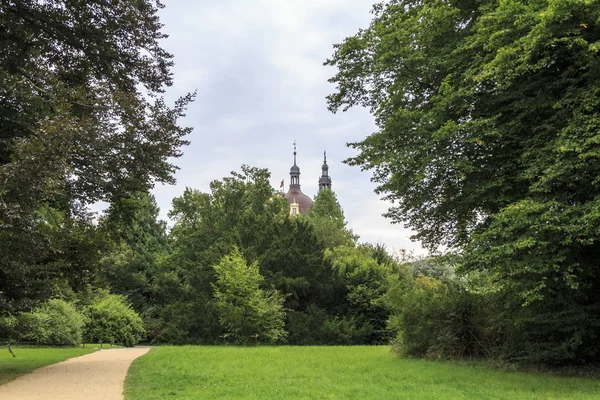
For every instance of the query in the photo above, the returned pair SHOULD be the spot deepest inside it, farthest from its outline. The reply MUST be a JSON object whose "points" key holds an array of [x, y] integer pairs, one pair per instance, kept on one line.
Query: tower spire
{"points": [[294, 172], [294, 152], [299, 202], [325, 179]]}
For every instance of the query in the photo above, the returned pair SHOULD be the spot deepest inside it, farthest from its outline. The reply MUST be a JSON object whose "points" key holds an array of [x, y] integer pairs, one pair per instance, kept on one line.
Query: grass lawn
{"points": [[30, 358], [195, 372]]}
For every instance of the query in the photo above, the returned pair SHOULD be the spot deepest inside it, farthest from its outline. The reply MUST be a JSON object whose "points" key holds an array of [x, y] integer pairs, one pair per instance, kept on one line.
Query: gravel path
{"points": [[96, 376]]}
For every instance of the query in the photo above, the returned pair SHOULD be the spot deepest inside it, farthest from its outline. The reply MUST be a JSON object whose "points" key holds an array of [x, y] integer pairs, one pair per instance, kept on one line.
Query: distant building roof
{"points": [[295, 194]]}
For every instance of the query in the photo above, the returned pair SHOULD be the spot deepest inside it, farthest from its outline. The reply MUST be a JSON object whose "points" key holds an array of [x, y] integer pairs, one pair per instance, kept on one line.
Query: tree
{"points": [[242, 211], [328, 221], [248, 313], [74, 116], [81, 117], [489, 131], [139, 243], [366, 284], [294, 263], [477, 107], [56, 252], [239, 210]]}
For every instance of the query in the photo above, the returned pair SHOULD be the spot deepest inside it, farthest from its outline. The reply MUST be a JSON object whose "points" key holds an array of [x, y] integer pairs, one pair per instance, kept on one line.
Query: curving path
{"points": [[96, 376]]}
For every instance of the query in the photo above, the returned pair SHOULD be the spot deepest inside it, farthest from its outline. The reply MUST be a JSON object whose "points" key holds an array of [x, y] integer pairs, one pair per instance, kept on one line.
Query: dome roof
{"points": [[295, 168], [304, 202]]}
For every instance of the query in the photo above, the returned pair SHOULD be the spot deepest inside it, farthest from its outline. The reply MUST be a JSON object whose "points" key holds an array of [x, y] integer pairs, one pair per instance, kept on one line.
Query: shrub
{"points": [[9, 325], [54, 322], [315, 327], [434, 319], [112, 320], [247, 313]]}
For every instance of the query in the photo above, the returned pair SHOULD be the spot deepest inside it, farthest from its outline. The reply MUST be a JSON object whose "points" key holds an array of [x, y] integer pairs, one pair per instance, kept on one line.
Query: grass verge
{"points": [[191, 372], [30, 358]]}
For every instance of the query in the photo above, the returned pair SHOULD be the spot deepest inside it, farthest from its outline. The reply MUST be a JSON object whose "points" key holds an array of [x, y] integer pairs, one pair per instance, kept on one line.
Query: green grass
{"points": [[331, 373], [30, 358]]}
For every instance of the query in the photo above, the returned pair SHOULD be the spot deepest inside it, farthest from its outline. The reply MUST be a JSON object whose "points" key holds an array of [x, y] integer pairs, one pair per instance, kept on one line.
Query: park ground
{"points": [[99, 375], [202, 372]]}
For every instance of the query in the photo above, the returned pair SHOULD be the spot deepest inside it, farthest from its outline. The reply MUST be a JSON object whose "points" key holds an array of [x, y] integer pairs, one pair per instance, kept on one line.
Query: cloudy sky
{"points": [[258, 68]]}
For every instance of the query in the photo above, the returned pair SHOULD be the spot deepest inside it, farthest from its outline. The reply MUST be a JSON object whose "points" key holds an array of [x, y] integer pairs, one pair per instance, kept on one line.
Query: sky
{"points": [[257, 66]]}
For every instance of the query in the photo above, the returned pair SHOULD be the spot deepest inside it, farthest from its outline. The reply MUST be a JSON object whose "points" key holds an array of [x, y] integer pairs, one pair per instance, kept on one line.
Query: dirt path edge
{"points": [[96, 376]]}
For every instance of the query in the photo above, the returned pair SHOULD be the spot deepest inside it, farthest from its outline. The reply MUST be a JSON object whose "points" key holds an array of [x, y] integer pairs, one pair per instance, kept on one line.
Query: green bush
{"points": [[9, 325], [315, 327], [112, 320], [247, 313], [184, 322], [554, 332], [434, 319], [54, 322]]}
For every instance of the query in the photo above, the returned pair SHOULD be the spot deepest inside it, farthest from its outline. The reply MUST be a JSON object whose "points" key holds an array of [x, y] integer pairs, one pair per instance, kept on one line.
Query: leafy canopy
{"points": [[82, 119], [248, 313], [479, 105], [488, 140]]}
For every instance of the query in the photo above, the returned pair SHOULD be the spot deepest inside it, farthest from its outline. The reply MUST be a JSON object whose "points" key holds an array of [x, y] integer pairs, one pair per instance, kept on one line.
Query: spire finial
{"points": [[294, 152], [324, 156]]}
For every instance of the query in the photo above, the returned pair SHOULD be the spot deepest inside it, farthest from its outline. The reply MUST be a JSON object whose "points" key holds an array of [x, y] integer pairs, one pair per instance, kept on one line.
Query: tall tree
{"points": [[328, 220], [139, 243], [73, 112], [489, 130], [81, 116], [53, 254], [239, 210]]}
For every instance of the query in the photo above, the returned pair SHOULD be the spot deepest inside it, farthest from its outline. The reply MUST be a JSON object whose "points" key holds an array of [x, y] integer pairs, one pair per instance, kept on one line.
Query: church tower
{"points": [[298, 201], [295, 172], [325, 179]]}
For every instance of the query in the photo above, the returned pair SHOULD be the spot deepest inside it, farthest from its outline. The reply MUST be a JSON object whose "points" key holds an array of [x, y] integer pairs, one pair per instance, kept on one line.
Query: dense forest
{"points": [[487, 143], [235, 267]]}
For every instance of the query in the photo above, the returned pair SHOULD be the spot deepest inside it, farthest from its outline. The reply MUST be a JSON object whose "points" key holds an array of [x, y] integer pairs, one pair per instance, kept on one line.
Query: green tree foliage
{"points": [[111, 319], [435, 319], [172, 285], [53, 322], [237, 211], [293, 263], [56, 252], [366, 284], [243, 211], [139, 244], [240, 210], [328, 221], [72, 76], [488, 117], [81, 120], [248, 313]]}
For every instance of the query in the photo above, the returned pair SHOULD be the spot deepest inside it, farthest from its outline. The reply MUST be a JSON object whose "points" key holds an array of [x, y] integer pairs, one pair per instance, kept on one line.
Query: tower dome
{"points": [[294, 194]]}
